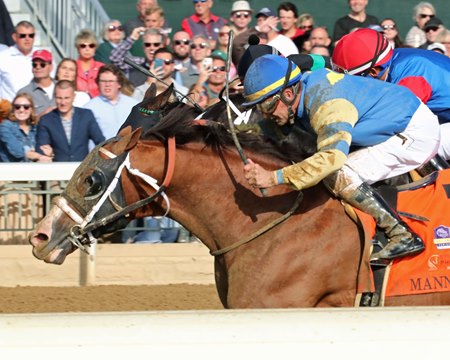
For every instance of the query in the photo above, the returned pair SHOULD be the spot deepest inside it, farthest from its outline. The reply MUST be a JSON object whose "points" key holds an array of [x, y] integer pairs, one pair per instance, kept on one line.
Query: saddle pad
{"points": [[429, 271]]}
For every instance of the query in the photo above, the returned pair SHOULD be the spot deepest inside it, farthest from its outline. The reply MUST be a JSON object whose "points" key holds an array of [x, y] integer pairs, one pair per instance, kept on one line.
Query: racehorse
{"points": [[309, 259]]}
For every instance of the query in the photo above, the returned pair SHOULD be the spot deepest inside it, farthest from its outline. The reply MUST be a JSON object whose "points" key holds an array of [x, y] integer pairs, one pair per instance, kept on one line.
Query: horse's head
{"points": [[93, 193]]}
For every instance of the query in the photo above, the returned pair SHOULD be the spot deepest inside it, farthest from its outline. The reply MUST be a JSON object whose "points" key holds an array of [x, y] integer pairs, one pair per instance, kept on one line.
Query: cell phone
{"points": [[207, 62], [158, 62]]}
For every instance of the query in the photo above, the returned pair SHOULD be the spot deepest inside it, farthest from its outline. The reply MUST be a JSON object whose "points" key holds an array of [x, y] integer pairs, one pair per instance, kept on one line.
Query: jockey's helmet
{"points": [[268, 75], [360, 51]]}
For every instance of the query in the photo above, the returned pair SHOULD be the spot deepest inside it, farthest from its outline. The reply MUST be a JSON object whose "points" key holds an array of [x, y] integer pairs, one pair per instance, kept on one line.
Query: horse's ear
{"points": [[151, 92], [164, 97], [128, 140]]}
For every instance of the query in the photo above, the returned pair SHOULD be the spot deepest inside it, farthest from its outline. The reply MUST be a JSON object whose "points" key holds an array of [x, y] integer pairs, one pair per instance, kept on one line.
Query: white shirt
{"points": [[15, 71], [284, 45]]}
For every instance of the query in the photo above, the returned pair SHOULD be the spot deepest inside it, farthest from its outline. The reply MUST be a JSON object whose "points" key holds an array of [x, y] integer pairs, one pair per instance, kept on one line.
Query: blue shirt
{"points": [[111, 116], [14, 142]]}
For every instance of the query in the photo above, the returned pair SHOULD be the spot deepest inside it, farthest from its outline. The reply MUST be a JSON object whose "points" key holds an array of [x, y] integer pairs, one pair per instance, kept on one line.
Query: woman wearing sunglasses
{"points": [[112, 34], [391, 32], [18, 133], [87, 68], [422, 12]]}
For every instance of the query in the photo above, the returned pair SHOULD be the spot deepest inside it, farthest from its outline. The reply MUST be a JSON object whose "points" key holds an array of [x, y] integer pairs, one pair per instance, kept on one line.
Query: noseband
{"points": [[81, 233]]}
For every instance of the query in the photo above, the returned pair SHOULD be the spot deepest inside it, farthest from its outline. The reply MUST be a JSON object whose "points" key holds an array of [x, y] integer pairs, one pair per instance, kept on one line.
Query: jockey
{"points": [[345, 111], [367, 52]]}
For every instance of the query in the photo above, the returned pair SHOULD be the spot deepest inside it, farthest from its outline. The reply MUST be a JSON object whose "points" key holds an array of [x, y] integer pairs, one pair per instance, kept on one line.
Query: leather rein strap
{"points": [[261, 231]]}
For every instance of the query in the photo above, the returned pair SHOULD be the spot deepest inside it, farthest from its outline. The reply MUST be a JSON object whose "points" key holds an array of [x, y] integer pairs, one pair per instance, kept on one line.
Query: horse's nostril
{"points": [[41, 237]]}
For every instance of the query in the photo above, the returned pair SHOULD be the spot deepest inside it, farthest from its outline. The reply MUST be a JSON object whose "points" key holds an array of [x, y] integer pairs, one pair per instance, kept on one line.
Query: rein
{"points": [[261, 231], [81, 234]]}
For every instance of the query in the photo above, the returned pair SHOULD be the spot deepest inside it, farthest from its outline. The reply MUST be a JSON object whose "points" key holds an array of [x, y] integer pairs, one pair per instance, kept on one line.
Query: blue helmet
{"points": [[266, 76]]}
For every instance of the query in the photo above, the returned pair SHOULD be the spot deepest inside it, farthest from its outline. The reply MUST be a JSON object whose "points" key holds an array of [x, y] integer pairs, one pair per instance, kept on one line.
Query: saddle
{"points": [[425, 206]]}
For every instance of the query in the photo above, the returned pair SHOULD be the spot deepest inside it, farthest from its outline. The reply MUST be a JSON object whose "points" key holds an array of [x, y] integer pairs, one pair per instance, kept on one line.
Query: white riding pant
{"points": [[401, 153]]}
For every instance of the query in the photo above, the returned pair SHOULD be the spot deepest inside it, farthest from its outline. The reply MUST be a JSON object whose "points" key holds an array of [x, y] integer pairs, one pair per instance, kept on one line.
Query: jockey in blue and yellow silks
{"points": [[393, 131]]}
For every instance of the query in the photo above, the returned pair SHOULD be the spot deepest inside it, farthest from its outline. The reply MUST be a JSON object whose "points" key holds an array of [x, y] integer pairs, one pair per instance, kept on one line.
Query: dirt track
{"points": [[108, 298]]}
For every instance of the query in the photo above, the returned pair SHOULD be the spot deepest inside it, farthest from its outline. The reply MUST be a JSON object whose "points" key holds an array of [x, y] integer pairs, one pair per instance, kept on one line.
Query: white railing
{"points": [[61, 20]]}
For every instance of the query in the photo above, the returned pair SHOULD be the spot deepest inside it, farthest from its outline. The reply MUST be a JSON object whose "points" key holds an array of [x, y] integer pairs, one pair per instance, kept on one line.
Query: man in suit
{"points": [[67, 129]]}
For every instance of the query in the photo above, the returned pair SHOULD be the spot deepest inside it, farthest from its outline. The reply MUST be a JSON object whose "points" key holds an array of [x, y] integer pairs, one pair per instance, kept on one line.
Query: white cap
{"points": [[241, 6], [437, 46]]}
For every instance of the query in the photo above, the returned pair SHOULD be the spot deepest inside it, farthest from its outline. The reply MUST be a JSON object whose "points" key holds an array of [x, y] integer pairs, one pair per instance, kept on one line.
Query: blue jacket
{"points": [[84, 128], [14, 143], [427, 74]]}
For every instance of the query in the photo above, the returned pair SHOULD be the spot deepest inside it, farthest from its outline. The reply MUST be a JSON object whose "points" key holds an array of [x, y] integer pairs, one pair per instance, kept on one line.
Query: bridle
{"points": [[81, 233]]}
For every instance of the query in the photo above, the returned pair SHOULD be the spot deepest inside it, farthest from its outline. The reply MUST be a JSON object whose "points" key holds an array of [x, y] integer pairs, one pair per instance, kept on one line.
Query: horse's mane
{"points": [[180, 123]]}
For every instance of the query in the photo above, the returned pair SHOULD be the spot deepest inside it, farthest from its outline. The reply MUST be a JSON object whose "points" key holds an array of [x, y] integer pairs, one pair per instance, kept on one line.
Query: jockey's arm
{"points": [[333, 122]]}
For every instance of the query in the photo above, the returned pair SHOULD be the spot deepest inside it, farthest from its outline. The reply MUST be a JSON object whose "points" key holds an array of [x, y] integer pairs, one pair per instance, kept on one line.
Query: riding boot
{"points": [[402, 240], [435, 164]]}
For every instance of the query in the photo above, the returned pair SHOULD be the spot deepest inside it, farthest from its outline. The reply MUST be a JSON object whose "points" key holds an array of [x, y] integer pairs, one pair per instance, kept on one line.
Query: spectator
{"points": [[266, 22], [222, 45], [305, 22], [212, 78], [18, 132], [241, 16], [6, 26], [67, 129], [42, 86], [288, 15], [203, 22], [200, 49], [444, 38], [67, 70], [180, 43], [111, 107], [390, 31], [152, 41], [87, 68], [432, 28], [320, 50], [165, 73], [422, 12], [112, 35], [357, 18], [154, 19], [15, 62], [199, 95], [138, 21], [320, 37]]}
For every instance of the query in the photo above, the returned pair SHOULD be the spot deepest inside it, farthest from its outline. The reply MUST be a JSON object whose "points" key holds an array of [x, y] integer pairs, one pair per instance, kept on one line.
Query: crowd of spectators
{"points": [[51, 111]]}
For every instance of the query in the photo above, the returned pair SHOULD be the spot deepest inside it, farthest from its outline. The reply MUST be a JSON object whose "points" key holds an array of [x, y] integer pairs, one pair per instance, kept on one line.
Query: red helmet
{"points": [[361, 50]]}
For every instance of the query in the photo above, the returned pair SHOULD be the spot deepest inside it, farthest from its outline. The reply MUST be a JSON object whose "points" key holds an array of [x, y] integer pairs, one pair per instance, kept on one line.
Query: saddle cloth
{"points": [[429, 271]]}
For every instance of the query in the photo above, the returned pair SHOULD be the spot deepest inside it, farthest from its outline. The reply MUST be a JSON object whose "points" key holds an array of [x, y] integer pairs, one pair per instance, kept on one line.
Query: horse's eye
{"points": [[95, 184]]}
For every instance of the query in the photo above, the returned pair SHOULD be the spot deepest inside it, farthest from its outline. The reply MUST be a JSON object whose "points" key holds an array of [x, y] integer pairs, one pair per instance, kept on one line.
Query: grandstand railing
{"points": [[26, 193], [61, 20]]}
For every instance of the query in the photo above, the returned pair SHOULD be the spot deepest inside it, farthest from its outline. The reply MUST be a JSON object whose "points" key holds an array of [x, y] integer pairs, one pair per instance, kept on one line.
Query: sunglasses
{"points": [[182, 42], [388, 27], [83, 46], [218, 68], [39, 65], [166, 61], [23, 36], [423, 16], [112, 28], [197, 1], [25, 106], [306, 27], [434, 28], [158, 44], [242, 14], [199, 46]]}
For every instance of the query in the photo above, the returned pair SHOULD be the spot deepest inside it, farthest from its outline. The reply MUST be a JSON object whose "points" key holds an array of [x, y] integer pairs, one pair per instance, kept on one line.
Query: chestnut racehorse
{"points": [[310, 259]]}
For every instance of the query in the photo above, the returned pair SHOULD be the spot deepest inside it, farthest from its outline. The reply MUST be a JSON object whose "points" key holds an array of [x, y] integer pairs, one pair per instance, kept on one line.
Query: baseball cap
{"points": [[241, 6], [219, 54], [433, 22], [265, 12], [43, 55], [437, 46]]}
